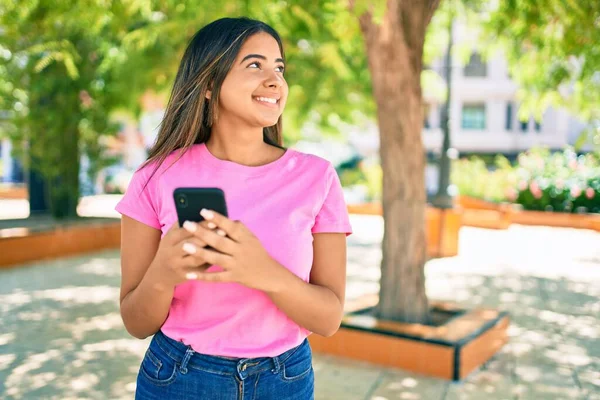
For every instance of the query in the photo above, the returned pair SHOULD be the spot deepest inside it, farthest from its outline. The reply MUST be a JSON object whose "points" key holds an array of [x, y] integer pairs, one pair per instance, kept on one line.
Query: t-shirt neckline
{"points": [[245, 170]]}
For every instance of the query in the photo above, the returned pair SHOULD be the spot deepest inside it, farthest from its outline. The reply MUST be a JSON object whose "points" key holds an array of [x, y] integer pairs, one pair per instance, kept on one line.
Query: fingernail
{"points": [[207, 214], [221, 233], [190, 226], [189, 248], [211, 225], [191, 275]]}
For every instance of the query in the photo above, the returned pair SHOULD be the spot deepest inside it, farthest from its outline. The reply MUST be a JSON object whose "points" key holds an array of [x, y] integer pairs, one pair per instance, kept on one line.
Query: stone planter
{"points": [[14, 193], [22, 245], [451, 350], [557, 219], [484, 214]]}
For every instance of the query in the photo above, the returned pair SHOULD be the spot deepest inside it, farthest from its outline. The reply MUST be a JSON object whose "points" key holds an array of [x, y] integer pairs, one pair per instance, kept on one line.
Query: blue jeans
{"points": [[171, 370]]}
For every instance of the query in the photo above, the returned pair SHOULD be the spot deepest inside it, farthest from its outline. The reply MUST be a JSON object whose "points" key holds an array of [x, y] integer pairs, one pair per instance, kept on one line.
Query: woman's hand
{"points": [[237, 250], [176, 260]]}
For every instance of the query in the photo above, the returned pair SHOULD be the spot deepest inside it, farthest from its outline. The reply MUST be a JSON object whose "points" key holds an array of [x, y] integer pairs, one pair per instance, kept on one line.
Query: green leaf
{"points": [[71, 68]]}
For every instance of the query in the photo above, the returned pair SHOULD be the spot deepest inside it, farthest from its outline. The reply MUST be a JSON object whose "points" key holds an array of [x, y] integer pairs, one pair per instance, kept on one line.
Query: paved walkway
{"points": [[61, 336]]}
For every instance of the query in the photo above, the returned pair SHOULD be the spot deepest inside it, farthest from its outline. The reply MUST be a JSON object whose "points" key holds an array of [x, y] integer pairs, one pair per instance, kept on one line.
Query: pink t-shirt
{"points": [[283, 203]]}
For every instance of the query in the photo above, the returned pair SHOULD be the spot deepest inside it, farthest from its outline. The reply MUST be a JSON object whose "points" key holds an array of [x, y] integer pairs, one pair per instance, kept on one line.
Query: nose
{"points": [[274, 81]]}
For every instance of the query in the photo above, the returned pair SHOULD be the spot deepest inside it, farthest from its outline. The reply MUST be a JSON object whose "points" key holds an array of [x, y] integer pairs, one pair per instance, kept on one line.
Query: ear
{"points": [[208, 93]]}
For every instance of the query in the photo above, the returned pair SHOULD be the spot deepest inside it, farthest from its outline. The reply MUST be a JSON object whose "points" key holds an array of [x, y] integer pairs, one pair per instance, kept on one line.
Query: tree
{"points": [[552, 50], [66, 66], [395, 53]]}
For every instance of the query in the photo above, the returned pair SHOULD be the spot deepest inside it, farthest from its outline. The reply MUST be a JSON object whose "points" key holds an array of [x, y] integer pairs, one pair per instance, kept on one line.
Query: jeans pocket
{"points": [[158, 369], [299, 365]]}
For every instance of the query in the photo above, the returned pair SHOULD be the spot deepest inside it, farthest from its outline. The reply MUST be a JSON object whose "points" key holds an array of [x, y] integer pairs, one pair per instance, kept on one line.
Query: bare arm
{"points": [[318, 305], [145, 301], [151, 267]]}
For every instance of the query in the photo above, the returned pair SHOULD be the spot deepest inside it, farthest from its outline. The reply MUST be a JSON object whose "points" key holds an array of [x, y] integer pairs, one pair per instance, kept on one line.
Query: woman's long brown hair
{"points": [[204, 66]]}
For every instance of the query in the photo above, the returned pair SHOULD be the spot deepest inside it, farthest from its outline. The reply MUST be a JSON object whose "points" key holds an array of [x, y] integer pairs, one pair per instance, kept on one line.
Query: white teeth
{"points": [[267, 100]]}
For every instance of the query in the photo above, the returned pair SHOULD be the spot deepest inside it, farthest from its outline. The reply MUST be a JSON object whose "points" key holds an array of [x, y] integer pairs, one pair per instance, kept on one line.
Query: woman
{"points": [[231, 322]]}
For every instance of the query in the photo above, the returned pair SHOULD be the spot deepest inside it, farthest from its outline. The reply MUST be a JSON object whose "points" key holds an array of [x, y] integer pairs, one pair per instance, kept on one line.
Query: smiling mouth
{"points": [[267, 101]]}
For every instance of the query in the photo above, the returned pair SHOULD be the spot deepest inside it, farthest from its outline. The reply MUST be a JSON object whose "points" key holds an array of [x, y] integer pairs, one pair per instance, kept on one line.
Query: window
{"points": [[476, 66], [473, 116], [524, 125], [538, 126], [509, 116]]}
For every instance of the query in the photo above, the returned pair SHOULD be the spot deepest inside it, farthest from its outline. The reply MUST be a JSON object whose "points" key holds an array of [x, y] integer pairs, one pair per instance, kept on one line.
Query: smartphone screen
{"points": [[189, 202]]}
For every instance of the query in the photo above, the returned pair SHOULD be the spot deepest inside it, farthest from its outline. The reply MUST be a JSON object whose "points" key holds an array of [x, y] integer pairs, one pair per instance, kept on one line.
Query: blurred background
{"points": [[516, 120], [509, 134]]}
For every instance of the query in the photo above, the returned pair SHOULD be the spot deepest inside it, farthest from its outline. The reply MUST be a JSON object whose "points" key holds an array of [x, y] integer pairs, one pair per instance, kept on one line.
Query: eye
{"points": [[281, 69], [254, 63]]}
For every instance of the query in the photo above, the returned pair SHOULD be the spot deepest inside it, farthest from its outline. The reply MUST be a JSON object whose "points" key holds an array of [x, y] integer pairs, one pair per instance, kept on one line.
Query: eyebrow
{"points": [[261, 57]]}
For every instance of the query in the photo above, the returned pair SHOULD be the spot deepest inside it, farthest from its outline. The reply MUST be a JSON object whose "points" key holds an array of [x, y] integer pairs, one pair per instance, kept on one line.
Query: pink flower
{"points": [[575, 191], [534, 187], [573, 164], [589, 193], [535, 190], [511, 194], [522, 185]]}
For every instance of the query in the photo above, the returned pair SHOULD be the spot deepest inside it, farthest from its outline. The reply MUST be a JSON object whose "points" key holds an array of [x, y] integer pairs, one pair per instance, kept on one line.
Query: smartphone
{"points": [[189, 202]]}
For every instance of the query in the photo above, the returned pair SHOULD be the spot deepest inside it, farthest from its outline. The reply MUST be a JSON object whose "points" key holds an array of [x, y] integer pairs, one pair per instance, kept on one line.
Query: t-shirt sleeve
{"points": [[141, 201], [333, 214]]}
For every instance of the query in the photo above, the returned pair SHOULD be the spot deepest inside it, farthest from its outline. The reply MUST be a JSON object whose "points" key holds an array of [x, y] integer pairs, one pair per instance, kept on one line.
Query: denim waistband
{"points": [[187, 358]]}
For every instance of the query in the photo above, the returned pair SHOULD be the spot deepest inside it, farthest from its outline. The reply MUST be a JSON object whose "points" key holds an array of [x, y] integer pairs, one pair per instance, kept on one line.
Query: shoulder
{"points": [[151, 175], [173, 163], [312, 163]]}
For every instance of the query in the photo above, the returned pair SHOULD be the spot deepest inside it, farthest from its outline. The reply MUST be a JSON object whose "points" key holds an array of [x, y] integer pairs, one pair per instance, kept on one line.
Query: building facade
{"points": [[484, 108]]}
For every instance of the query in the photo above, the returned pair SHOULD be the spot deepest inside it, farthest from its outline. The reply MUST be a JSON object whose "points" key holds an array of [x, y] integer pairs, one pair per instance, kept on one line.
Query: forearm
{"points": [[313, 307], [145, 308]]}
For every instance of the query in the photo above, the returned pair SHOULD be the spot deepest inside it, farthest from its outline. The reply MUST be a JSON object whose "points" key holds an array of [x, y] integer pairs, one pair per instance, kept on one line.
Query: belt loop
{"points": [[277, 365], [186, 358]]}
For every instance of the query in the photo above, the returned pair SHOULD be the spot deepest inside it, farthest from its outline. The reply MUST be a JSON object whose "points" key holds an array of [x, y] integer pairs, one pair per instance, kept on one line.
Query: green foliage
{"points": [[66, 66], [553, 53], [473, 178], [351, 177], [551, 48]]}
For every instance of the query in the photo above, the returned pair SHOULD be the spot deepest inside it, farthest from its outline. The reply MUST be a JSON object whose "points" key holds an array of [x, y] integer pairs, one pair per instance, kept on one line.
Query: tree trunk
{"points": [[394, 50], [38, 192], [54, 146], [64, 194]]}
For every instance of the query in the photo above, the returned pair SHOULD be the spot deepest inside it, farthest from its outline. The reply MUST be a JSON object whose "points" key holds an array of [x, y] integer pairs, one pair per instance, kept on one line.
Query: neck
{"points": [[240, 145]]}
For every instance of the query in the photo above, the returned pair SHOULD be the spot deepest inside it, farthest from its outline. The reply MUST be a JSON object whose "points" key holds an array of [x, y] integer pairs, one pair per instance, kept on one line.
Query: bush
{"points": [[540, 180], [558, 182], [473, 178]]}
